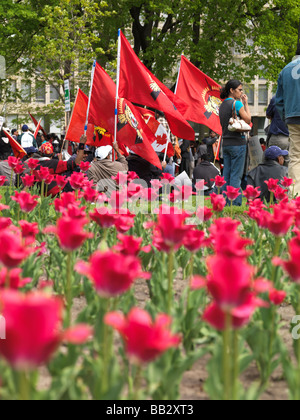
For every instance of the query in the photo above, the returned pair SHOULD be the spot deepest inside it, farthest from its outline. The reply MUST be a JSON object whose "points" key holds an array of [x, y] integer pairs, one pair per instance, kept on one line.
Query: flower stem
{"points": [[236, 365], [275, 254], [191, 264], [170, 280], [226, 358], [24, 386], [69, 288]]}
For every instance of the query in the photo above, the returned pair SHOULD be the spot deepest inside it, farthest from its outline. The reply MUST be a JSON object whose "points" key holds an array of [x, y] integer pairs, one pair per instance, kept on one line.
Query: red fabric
{"points": [[77, 122], [199, 91], [17, 149], [159, 132], [102, 111], [36, 123], [37, 129], [139, 85]]}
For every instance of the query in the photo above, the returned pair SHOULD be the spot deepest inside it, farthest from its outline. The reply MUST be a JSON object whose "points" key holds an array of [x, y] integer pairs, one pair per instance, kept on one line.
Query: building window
{"points": [[54, 94], [12, 91], [40, 92], [249, 90], [262, 95], [25, 91]]}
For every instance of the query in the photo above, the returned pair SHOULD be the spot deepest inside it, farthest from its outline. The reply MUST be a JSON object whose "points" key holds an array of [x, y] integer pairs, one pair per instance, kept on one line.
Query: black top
{"points": [[230, 138], [263, 172]]}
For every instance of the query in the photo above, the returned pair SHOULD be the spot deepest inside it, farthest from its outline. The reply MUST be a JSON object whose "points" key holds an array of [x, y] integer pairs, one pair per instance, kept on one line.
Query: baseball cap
{"points": [[273, 152], [102, 152], [25, 127]]}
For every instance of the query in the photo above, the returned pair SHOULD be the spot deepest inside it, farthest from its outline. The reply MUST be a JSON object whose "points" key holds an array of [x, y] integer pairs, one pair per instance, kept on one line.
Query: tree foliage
{"points": [[59, 39]]}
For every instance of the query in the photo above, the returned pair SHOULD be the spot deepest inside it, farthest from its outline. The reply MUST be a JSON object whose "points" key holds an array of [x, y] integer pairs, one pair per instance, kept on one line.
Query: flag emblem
{"points": [[126, 116], [211, 102]]}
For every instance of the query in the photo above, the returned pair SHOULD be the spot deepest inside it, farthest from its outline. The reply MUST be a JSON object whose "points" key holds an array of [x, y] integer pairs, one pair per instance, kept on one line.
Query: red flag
{"points": [[139, 85], [77, 122], [201, 93], [132, 130], [18, 150], [159, 131], [37, 129], [36, 124]]}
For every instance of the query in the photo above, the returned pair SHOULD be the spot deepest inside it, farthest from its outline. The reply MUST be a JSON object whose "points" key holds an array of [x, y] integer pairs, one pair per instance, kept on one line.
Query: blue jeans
{"points": [[234, 163]]}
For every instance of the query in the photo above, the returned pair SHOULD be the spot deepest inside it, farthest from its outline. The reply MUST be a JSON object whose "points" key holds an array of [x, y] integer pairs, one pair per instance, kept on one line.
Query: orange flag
{"points": [[18, 150]]}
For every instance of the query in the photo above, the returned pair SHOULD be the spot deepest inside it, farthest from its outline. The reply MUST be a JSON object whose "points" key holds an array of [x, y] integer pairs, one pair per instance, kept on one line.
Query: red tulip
{"points": [[13, 161], [124, 222], [28, 180], [194, 240], [117, 273], [292, 266], [170, 230], [120, 178], [70, 232], [280, 194], [5, 222], [226, 239], [77, 180], [129, 245], [26, 201], [251, 193], [61, 181], [33, 328], [12, 251], [132, 176], [84, 166], [32, 163], [277, 296], [66, 199], [218, 202], [90, 194], [287, 182], [104, 217], [43, 173], [280, 221], [204, 213], [219, 181], [232, 193], [272, 184], [29, 230], [240, 316], [12, 278], [2, 180], [144, 339], [19, 169], [229, 280]]}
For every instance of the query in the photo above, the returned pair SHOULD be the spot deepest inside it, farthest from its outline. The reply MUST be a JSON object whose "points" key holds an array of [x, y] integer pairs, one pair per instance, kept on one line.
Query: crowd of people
{"points": [[195, 160]]}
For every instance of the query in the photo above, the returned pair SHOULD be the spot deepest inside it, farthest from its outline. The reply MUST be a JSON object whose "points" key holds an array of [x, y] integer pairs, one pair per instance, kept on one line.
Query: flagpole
{"points": [[117, 84], [167, 144], [175, 91], [90, 96]]}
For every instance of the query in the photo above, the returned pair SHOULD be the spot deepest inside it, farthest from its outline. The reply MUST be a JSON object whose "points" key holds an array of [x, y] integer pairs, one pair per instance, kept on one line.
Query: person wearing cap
{"points": [[26, 139], [103, 168], [205, 170], [287, 101], [272, 167]]}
